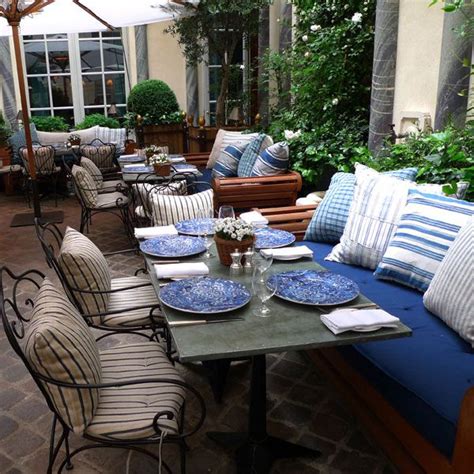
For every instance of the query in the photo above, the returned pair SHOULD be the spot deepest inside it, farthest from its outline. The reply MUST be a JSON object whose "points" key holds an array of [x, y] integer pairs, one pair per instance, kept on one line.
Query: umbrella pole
{"points": [[26, 119]]}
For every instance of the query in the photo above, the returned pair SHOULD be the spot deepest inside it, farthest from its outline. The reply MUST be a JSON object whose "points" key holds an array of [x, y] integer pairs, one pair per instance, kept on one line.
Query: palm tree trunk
{"points": [[221, 100]]}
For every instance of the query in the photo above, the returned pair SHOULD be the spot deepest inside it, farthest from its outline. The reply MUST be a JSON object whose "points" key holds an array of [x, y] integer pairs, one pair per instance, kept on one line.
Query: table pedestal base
{"points": [[258, 456]]}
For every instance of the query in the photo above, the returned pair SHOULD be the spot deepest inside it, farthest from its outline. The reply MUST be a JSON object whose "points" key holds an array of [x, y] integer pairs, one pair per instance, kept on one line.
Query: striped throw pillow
{"points": [[272, 161], [224, 138], [85, 268], [228, 161], [427, 228], [169, 210], [145, 192], [250, 155], [92, 169], [86, 186], [330, 217], [59, 345], [450, 295]]}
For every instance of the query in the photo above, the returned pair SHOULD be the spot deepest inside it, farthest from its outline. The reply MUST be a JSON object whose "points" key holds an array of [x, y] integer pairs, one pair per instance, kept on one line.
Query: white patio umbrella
{"points": [[34, 17]]}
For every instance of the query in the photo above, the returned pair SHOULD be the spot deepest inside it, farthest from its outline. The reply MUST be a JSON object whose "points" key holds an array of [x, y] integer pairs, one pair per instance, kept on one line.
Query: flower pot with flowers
{"points": [[231, 235], [161, 164], [74, 140]]}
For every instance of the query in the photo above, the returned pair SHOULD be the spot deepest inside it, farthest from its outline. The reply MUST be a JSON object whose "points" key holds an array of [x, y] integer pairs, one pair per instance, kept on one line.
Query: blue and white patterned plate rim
{"points": [[195, 311], [289, 238], [131, 159], [182, 228], [197, 246], [138, 169], [340, 302]]}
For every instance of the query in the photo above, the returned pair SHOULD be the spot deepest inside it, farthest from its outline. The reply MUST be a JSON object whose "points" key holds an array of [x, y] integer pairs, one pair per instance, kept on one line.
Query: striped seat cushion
{"points": [[123, 300], [169, 210], [92, 169], [427, 228], [272, 161], [85, 268], [250, 155], [112, 185], [59, 345], [109, 200], [85, 185], [127, 413], [228, 161], [102, 155], [450, 294], [330, 217]]}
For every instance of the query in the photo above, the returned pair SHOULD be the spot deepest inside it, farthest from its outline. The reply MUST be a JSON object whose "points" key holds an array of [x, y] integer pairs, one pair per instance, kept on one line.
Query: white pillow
{"points": [[450, 295], [169, 210], [225, 138], [379, 200]]}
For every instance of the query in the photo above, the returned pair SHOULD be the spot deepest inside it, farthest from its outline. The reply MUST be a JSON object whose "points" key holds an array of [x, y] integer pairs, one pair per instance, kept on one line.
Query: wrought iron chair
{"points": [[47, 172], [105, 182], [83, 386], [131, 302], [102, 154]]}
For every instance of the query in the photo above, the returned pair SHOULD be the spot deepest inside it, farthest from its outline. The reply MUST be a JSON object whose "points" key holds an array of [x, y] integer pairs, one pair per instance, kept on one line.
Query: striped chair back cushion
{"points": [[450, 294], [44, 159], [169, 210], [92, 169], [102, 155], [85, 185], [272, 161], [59, 345], [145, 193], [426, 230], [85, 268]]}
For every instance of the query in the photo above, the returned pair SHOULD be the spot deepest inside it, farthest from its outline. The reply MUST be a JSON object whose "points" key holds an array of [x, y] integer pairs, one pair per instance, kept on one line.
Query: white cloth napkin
{"points": [[254, 217], [150, 232], [342, 320], [134, 165], [133, 155], [288, 252], [187, 269]]}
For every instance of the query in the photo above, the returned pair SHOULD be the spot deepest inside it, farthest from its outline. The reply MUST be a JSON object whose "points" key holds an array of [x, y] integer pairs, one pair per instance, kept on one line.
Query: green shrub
{"points": [[155, 102], [98, 119], [50, 124], [5, 130]]}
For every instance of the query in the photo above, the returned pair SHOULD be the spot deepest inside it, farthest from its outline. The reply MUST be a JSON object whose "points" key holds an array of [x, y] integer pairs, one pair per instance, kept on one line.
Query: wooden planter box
{"points": [[171, 136], [201, 139]]}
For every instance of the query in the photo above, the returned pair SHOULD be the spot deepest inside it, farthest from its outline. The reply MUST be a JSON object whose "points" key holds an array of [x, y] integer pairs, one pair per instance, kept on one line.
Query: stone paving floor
{"points": [[302, 405]]}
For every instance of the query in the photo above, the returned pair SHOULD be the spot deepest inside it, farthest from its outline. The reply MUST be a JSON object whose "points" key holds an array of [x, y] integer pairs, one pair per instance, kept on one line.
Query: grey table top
{"points": [[290, 327]]}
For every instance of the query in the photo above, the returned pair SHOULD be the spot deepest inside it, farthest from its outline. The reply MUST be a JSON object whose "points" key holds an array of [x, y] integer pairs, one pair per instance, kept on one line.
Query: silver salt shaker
{"points": [[248, 255], [236, 265]]}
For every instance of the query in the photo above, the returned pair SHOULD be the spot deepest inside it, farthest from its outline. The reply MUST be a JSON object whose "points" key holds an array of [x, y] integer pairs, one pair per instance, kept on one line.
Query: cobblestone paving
{"points": [[302, 405]]}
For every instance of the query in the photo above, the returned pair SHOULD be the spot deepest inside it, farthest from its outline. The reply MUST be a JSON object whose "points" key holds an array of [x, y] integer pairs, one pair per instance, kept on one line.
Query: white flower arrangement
{"points": [[233, 229], [290, 135], [315, 28], [304, 38], [335, 101], [356, 18], [159, 159]]}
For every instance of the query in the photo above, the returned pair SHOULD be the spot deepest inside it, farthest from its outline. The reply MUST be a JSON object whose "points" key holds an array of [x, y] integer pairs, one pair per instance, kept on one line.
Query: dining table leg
{"points": [[256, 450]]}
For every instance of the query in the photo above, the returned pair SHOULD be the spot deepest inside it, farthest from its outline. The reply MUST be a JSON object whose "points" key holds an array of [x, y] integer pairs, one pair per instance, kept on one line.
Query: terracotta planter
{"points": [[162, 169], [226, 247]]}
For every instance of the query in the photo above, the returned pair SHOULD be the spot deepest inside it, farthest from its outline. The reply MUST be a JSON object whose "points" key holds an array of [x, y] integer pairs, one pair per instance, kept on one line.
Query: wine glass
{"points": [[261, 262], [263, 292], [203, 216], [226, 211]]}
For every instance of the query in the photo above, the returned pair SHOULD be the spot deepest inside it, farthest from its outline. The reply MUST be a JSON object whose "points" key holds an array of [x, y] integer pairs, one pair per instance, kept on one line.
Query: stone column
{"points": [[453, 75], [383, 73], [192, 95], [141, 46], [7, 83], [263, 46], [286, 18]]}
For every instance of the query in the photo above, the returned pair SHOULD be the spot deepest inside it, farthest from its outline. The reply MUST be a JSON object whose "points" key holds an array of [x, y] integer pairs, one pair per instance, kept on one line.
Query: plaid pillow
{"points": [[249, 157], [329, 220]]}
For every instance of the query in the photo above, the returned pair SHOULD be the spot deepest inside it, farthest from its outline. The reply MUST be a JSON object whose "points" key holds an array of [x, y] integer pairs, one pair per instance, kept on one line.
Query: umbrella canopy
{"points": [[35, 17]]}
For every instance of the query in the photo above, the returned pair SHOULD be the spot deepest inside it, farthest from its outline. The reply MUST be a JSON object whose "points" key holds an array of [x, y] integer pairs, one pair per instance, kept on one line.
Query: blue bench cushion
{"points": [[204, 180], [425, 376]]}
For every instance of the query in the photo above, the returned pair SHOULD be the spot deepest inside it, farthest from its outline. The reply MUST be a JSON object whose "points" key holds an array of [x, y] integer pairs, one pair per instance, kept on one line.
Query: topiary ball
{"points": [[153, 98]]}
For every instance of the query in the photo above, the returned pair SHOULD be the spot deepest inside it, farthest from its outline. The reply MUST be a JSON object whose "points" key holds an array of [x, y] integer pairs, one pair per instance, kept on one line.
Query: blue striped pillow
{"points": [[427, 228], [272, 161], [329, 220], [228, 161]]}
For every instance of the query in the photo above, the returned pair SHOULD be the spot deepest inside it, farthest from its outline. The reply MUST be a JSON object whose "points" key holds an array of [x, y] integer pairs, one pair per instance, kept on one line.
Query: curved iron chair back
{"points": [[102, 154], [44, 159], [15, 322]]}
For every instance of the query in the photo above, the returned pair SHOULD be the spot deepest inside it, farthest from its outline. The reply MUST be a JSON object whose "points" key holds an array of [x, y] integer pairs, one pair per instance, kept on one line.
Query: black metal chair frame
{"points": [[121, 208], [97, 142], [15, 328], [43, 174], [50, 238], [111, 176]]}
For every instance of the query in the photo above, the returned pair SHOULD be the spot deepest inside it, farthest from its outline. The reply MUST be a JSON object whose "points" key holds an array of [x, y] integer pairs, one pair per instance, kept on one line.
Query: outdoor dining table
{"points": [[150, 177], [291, 327]]}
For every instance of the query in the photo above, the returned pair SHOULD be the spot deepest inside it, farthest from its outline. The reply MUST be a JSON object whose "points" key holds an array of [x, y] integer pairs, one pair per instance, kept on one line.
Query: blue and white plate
{"points": [[131, 159], [196, 226], [138, 169], [184, 168], [268, 238], [205, 295], [173, 246], [314, 288]]}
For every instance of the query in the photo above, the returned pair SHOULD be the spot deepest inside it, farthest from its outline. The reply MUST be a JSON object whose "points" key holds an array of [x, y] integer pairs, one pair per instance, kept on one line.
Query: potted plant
{"points": [[161, 164], [154, 113], [231, 235], [74, 140]]}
